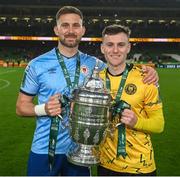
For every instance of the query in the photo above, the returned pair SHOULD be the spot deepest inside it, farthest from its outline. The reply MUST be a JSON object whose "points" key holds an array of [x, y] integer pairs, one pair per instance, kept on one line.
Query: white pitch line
{"points": [[7, 83], [9, 71]]}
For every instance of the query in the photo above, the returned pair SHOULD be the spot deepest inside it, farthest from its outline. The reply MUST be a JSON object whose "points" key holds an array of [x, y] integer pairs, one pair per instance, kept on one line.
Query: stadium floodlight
{"points": [[117, 20], [150, 21], [95, 20], [172, 21], [162, 21], [3, 18], [140, 21], [106, 20], [26, 19], [15, 19], [49, 19], [128, 21], [38, 19]]}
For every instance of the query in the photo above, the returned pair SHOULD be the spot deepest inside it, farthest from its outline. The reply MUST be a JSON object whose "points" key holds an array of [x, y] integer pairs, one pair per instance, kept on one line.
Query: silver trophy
{"points": [[89, 118]]}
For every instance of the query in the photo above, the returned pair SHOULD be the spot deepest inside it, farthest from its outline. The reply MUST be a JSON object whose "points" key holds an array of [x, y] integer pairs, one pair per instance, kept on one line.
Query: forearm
{"points": [[153, 124], [25, 105], [25, 109]]}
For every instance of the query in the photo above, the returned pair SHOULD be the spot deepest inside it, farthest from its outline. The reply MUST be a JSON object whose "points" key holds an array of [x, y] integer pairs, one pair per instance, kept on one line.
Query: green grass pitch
{"points": [[16, 133]]}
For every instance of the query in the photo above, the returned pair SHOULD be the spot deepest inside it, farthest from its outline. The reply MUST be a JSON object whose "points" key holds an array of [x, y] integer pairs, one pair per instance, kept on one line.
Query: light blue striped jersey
{"points": [[44, 77]]}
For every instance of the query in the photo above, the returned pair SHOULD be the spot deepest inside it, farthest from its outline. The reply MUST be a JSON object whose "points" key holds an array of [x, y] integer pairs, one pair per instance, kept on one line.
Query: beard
{"points": [[73, 44]]}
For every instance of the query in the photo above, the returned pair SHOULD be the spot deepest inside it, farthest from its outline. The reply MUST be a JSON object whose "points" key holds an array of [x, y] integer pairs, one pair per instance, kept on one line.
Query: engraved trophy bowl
{"points": [[89, 119]]}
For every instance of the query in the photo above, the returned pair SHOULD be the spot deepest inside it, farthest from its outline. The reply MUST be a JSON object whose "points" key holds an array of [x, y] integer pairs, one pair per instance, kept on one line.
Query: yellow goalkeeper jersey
{"points": [[146, 104]]}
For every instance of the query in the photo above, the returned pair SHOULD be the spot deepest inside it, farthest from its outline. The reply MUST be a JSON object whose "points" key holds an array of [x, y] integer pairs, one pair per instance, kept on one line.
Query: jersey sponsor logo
{"points": [[130, 89], [52, 70], [84, 70], [153, 103]]}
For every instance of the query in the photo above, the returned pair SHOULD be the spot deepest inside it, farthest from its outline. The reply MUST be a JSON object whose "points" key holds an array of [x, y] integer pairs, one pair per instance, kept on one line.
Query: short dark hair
{"points": [[115, 29], [68, 10]]}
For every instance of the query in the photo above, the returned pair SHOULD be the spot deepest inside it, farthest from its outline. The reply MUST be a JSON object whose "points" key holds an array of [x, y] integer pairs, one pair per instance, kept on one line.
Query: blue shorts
{"points": [[38, 165]]}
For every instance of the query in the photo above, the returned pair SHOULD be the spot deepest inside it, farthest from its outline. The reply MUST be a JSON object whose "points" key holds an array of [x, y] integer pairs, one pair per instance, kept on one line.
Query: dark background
{"points": [[146, 18]]}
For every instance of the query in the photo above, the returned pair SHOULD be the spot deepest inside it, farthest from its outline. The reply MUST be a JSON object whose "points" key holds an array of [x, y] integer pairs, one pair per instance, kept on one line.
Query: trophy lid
{"points": [[95, 83], [92, 89]]}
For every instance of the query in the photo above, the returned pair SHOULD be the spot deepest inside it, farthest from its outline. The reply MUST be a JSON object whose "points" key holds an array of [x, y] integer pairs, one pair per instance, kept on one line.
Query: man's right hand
{"points": [[53, 106]]}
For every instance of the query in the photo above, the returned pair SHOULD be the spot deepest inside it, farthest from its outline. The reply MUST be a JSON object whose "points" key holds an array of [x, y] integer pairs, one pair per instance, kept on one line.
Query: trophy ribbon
{"points": [[52, 140], [64, 104], [121, 147], [117, 109]]}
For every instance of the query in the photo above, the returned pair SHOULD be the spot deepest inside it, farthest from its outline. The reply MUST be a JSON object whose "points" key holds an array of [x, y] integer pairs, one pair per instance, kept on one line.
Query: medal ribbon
{"points": [[55, 120], [121, 146]]}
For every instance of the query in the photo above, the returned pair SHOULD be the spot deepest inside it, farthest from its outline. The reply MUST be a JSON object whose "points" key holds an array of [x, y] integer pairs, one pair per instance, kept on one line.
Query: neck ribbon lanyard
{"points": [[55, 120], [121, 146]]}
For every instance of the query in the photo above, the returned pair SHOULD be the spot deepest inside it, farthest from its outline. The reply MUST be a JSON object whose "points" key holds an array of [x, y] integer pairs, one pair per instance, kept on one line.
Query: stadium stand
{"points": [[146, 19]]}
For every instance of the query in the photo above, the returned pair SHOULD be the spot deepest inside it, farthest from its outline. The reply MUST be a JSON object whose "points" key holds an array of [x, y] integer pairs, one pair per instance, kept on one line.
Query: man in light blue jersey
{"points": [[52, 77]]}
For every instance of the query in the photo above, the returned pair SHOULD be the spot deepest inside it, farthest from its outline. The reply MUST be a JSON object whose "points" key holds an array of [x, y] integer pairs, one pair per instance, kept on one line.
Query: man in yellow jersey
{"points": [[127, 149]]}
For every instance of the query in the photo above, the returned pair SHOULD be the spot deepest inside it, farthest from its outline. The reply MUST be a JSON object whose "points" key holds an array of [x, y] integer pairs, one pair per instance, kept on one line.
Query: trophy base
{"points": [[84, 155]]}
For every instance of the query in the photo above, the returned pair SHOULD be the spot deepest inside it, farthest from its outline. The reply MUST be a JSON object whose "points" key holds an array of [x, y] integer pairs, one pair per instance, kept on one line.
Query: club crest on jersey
{"points": [[130, 89], [84, 70]]}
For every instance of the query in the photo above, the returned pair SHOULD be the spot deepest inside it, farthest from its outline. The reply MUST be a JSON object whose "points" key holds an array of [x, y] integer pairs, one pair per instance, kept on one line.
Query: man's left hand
{"points": [[151, 75]]}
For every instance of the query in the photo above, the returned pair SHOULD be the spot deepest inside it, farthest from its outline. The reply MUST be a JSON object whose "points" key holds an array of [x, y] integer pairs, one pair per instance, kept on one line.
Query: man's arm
{"points": [[26, 107], [151, 75], [153, 124]]}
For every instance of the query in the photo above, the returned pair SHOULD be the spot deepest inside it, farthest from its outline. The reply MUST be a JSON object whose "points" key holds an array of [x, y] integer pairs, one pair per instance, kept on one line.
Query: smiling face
{"points": [[69, 29], [115, 48]]}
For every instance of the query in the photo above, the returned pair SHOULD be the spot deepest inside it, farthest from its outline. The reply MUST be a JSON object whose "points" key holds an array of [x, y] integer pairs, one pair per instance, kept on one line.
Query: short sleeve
{"points": [[29, 84]]}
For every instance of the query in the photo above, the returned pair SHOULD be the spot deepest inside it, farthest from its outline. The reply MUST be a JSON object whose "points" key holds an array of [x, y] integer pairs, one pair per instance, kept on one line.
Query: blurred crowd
{"points": [[14, 53]]}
